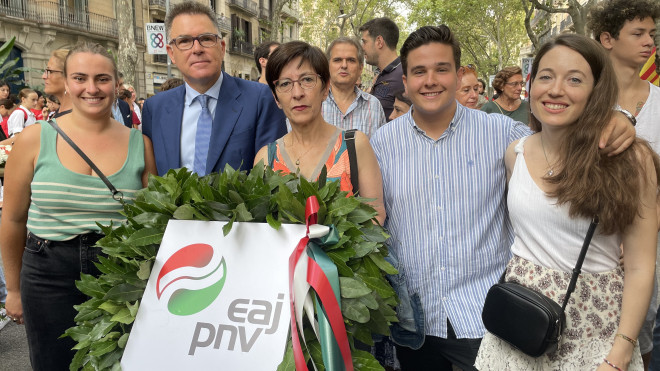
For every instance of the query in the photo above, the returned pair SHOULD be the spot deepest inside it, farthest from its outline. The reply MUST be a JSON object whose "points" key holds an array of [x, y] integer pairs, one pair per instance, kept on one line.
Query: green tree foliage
{"points": [[542, 9], [490, 32], [8, 70], [322, 22]]}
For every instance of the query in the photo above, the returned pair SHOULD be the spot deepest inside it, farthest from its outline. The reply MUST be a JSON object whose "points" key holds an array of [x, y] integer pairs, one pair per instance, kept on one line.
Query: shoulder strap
{"points": [[24, 113], [578, 265], [272, 152], [116, 195], [349, 137]]}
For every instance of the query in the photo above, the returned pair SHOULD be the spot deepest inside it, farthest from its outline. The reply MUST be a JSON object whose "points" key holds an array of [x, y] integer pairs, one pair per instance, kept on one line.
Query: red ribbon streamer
{"points": [[311, 210], [319, 282]]}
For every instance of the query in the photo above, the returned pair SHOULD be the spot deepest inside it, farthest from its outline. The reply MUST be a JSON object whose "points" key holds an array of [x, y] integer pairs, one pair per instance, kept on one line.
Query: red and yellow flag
{"points": [[649, 72]]}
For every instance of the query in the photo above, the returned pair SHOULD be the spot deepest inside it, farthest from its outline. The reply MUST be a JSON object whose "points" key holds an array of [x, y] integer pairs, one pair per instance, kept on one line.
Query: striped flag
{"points": [[649, 72]]}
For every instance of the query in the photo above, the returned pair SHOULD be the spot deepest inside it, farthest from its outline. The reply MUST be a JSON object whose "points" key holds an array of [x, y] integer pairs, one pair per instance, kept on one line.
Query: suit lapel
{"points": [[226, 116], [171, 127]]}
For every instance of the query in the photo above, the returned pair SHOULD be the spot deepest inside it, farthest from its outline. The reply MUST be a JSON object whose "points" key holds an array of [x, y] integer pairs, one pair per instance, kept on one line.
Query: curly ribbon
{"points": [[321, 275]]}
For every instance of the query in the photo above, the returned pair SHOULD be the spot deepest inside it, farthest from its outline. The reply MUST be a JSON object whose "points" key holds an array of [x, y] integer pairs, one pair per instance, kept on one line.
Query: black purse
{"points": [[525, 318]]}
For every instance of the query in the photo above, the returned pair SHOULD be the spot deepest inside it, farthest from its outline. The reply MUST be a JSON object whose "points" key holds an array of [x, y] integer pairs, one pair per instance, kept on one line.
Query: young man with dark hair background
{"points": [[261, 54], [444, 184], [379, 39], [626, 29]]}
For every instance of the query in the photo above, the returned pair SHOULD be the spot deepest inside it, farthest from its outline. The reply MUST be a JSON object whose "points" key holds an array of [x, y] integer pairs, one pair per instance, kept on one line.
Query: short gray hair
{"points": [[347, 40], [190, 8]]}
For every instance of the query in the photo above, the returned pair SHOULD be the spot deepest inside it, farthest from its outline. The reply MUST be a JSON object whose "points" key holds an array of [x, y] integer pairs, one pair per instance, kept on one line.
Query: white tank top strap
{"points": [[520, 147]]}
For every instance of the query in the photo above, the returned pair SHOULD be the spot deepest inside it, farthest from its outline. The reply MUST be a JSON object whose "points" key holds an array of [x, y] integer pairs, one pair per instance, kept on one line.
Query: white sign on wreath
{"points": [[215, 300]]}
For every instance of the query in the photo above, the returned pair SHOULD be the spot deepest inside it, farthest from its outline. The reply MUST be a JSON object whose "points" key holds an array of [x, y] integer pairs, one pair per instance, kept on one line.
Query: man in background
{"points": [[261, 54], [347, 106], [379, 39]]}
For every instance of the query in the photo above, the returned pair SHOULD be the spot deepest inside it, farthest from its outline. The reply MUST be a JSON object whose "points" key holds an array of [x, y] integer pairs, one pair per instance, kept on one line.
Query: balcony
{"points": [[241, 47], [245, 5], [290, 12], [46, 12], [157, 5], [224, 23], [264, 13]]}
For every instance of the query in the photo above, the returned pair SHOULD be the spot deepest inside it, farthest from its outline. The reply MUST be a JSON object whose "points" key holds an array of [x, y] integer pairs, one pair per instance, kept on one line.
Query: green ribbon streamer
{"points": [[332, 358]]}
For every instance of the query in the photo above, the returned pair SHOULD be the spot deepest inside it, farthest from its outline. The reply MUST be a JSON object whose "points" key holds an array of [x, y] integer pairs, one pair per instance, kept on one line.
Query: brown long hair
{"points": [[591, 183]]}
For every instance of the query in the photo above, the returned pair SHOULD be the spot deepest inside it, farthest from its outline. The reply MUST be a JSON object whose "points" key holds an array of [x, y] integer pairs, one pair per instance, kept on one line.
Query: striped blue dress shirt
{"points": [[446, 212], [364, 114]]}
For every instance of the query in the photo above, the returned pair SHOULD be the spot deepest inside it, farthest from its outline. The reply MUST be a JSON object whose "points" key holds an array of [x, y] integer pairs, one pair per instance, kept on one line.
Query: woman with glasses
{"points": [[508, 84], [299, 77], [54, 81]]}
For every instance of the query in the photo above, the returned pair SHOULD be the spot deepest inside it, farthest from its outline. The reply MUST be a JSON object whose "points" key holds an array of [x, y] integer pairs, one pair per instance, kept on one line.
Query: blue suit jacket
{"points": [[246, 119]]}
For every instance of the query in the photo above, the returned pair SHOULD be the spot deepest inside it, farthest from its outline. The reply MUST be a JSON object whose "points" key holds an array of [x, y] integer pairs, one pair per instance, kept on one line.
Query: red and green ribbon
{"points": [[323, 278]]}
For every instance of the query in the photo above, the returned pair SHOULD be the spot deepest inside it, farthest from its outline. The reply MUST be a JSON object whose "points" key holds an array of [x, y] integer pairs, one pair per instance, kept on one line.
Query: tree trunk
{"points": [[529, 12], [276, 19], [128, 56]]}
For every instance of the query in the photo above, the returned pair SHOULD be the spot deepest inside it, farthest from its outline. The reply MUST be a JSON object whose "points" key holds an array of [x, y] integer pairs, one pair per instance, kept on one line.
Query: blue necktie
{"points": [[203, 136]]}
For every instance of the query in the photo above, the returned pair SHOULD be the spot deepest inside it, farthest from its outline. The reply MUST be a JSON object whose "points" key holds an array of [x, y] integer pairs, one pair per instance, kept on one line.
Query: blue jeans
{"points": [[48, 293], [3, 286]]}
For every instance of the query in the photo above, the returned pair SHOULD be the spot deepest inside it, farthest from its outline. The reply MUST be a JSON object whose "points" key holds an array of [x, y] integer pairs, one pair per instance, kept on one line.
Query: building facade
{"points": [[41, 26]]}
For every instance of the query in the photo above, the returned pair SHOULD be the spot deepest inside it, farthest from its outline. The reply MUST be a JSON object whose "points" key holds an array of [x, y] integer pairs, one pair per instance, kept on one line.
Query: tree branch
{"points": [[548, 9]]}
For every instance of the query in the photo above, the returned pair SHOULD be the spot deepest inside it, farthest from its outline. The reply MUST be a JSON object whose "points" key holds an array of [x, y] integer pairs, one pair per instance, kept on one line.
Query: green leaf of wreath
{"points": [[104, 322]]}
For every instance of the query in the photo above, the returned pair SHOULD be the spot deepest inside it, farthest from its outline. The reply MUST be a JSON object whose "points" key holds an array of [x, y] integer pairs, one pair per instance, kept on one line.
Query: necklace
{"points": [[551, 171], [304, 153]]}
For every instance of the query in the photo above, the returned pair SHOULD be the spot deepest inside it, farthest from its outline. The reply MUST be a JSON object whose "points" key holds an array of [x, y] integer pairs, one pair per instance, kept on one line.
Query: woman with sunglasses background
{"points": [[508, 84], [299, 77], [54, 79]]}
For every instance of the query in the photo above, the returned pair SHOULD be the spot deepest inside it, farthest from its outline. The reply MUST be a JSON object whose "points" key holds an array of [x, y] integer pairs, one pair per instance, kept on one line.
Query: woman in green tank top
{"points": [[53, 200]]}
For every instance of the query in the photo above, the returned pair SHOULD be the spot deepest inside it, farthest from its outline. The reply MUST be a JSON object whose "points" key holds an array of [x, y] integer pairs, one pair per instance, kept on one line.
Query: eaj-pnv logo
{"points": [[191, 279]]}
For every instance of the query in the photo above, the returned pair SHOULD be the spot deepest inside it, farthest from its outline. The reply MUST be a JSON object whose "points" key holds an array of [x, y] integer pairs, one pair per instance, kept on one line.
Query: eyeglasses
{"points": [[185, 42], [306, 82], [470, 67], [513, 84], [48, 71]]}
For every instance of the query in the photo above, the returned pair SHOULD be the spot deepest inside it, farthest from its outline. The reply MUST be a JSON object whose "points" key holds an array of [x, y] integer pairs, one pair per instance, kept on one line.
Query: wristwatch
{"points": [[625, 112]]}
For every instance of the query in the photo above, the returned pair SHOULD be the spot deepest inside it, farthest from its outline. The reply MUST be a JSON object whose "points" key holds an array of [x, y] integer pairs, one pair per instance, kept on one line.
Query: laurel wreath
{"points": [[367, 300]]}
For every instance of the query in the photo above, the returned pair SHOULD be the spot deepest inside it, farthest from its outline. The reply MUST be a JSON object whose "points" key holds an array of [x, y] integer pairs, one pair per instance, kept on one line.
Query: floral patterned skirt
{"points": [[592, 319]]}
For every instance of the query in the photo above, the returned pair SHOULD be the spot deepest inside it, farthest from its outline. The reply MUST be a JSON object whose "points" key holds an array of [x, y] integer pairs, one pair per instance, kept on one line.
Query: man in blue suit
{"points": [[241, 116]]}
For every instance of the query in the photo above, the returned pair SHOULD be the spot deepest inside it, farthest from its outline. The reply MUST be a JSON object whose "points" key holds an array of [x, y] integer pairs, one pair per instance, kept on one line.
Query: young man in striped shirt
{"points": [[444, 184]]}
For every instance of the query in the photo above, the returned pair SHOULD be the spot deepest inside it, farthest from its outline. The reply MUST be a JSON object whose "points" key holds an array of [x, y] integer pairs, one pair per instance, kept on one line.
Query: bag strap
{"points": [[349, 137], [272, 152], [116, 195], [578, 265]]}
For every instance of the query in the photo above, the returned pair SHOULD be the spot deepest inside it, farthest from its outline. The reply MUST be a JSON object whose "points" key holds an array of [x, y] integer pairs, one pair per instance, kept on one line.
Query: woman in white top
{"points": [[558, 181], [23, 116]]}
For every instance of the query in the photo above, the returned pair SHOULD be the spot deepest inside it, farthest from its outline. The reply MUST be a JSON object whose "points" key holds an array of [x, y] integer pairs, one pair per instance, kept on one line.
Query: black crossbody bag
{"points": [[526, 319], [116, 195]]}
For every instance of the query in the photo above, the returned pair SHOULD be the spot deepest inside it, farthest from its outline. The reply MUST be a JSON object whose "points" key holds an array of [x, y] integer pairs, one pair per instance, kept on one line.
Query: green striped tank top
{"points": [[65, 204]]}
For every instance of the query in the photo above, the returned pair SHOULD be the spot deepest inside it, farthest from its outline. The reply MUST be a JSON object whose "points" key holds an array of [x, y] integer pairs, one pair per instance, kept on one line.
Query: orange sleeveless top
{"points": [[337, 162]]}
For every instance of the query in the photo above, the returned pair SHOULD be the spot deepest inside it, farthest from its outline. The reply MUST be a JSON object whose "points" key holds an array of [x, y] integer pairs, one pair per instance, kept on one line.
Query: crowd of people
{"points": [[470, 188]]}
